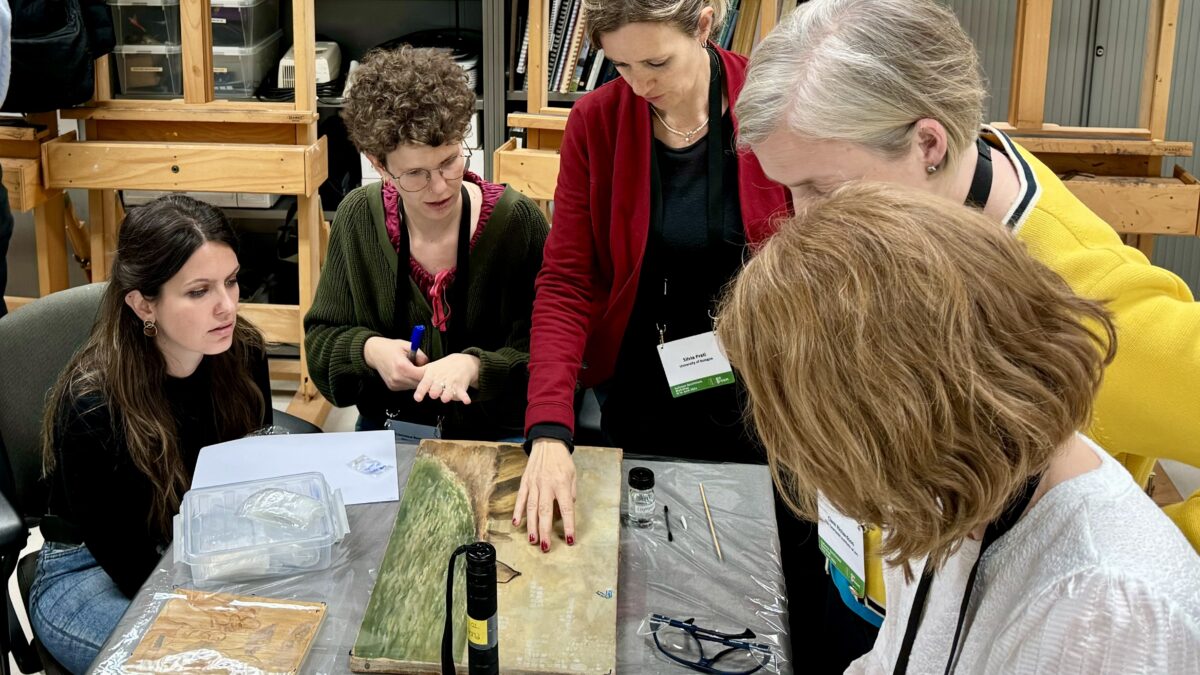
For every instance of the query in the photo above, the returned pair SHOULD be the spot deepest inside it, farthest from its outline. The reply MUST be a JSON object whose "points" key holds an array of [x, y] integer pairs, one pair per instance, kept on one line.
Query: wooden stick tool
{"points": [[712, 530]]}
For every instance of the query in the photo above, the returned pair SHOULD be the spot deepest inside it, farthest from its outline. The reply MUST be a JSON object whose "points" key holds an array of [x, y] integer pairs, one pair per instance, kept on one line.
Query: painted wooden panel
{"points": [[557, 611]]}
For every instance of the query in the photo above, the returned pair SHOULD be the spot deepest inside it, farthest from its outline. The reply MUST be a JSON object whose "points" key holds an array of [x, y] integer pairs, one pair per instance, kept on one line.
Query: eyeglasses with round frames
{"points": [[416, 180]]}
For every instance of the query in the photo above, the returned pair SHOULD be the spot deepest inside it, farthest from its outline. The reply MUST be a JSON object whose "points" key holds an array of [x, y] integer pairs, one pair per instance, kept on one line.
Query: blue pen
{"points": [[414, 342]]}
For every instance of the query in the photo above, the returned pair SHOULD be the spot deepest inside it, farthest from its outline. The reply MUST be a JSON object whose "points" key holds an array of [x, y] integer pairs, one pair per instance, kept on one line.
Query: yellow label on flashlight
{"points": [[477, 631]]}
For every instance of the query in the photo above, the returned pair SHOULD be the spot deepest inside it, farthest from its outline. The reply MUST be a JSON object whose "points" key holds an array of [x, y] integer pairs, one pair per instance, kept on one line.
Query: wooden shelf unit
{"points": [[533, 169], [1116, 172], [21, 162]]}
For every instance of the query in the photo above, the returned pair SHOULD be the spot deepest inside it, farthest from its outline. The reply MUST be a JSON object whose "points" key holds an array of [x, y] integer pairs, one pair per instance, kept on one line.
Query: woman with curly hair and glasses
{"points": [[431, 245], [910, 364]]}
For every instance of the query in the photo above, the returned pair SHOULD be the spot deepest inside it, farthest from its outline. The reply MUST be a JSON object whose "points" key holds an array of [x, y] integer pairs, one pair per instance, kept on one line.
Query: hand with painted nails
{"points": [[549, 479]]}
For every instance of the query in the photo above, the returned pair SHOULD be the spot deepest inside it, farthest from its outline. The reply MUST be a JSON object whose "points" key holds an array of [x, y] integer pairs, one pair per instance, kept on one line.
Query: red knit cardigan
{"points": [[593, 257]]}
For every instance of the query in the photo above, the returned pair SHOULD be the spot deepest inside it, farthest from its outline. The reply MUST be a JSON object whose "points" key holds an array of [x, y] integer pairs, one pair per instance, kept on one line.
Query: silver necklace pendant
{"points": [[687, 136]]}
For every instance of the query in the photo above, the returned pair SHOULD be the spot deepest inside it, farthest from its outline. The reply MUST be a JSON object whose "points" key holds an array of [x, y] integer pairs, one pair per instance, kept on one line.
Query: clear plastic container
{"points": [[140, 197], [224, 533], [146, 22], [254, 200], [243, 23], [238, 70], [149, 71]]}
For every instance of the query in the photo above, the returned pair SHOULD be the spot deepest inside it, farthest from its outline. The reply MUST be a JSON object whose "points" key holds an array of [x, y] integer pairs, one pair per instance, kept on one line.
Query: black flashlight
{"points": [[483, 653], [483, 650]]}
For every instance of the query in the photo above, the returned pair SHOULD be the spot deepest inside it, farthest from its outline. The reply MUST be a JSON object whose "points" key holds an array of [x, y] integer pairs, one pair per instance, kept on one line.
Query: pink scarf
{"points": [[434, 286]]}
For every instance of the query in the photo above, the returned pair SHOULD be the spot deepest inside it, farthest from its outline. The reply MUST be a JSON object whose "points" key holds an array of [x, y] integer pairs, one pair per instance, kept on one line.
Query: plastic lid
{"points": [[266, 43], [144, 3], [641, 478]]}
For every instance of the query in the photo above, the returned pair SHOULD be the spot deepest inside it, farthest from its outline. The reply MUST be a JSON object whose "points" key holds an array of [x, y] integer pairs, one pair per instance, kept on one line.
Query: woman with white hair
{"points": [[891, 90]]}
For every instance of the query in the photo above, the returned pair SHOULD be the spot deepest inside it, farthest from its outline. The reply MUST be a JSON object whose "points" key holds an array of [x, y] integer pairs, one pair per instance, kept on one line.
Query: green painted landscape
{"points": [[464, 491], [405, 615]]}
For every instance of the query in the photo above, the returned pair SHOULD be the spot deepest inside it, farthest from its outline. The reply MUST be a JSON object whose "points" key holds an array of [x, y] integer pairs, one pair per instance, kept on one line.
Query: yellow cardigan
{"points": [[1149, 403]]}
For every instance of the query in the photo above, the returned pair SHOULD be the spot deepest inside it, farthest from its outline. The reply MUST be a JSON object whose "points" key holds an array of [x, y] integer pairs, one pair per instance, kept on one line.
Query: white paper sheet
{"points": [[331, 454]]}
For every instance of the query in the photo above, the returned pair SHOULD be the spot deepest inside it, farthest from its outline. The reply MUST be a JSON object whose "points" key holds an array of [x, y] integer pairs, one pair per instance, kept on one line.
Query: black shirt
{"points": [[639, 413], [99, 493]]}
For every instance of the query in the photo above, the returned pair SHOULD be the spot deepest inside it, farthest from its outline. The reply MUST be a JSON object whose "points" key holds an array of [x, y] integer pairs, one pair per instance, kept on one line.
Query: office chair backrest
{"points": [[36, 342]]}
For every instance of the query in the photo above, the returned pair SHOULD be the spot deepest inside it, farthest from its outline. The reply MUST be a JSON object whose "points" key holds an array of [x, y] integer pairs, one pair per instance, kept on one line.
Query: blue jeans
{"points": [[73, 604]]}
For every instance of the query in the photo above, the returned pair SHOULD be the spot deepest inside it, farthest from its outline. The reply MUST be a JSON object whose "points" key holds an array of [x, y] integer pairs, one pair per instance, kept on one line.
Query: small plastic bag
{"points": [[368, 465], [272, 430], [275, 506]]}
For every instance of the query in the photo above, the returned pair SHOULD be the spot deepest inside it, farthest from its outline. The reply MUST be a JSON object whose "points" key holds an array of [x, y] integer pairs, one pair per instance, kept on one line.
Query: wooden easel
{"points": [[533, 169], [203, 144], [21, 159], [1116, 172]]}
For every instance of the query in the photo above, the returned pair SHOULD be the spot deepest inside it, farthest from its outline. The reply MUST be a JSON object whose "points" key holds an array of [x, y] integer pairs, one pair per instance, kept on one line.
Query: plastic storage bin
{"points": [[146, 22], [254, 200], [140, 197], [238, 70], [246, 200], [150, 71], [237, 532], [243, 23]]}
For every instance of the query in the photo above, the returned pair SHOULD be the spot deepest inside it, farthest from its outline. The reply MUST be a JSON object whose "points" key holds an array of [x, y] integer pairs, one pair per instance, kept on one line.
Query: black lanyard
{"points": [[996, 529], [716, 196], [981, 182], [456, 295]]}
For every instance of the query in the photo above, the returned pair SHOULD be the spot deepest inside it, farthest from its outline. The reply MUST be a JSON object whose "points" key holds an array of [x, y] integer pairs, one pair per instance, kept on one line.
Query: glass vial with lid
{"points": [[641, 496]]}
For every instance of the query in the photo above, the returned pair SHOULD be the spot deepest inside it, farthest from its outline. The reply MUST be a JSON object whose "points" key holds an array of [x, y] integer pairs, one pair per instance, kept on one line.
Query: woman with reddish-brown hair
{"points": [[909, 364]]}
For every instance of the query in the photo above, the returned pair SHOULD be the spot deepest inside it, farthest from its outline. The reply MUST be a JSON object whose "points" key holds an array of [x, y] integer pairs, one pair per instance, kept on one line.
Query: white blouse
{"points": [[1094, 579]]}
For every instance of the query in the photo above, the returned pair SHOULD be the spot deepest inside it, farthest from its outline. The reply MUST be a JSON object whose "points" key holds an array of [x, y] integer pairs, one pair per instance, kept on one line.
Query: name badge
{"points": [[694, 364], [842, 541], [407, 432]]}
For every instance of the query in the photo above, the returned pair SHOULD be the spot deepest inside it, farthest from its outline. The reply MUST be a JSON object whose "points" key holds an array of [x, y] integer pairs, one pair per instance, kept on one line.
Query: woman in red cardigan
{"points": [[654, 213]]}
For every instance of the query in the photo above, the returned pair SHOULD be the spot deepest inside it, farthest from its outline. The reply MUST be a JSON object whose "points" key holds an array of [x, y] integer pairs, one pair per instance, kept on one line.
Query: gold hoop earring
{"points": [[149, 329]]}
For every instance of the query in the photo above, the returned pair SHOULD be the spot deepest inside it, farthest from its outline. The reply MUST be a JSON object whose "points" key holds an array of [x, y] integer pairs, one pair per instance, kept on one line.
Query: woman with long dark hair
{"points": [[128, 416]]}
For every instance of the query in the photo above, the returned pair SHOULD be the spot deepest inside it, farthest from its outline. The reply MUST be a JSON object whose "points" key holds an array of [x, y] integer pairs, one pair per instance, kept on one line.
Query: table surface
{"points": [[682, 578]]}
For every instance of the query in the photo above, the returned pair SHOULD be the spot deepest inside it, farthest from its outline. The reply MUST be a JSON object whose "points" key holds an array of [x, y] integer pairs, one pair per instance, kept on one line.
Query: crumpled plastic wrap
{"points": [[284, 508], [684, 579]]}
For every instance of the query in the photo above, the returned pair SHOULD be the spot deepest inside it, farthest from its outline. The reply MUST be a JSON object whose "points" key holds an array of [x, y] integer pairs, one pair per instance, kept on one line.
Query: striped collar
{"points": [[1030, 189]]}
